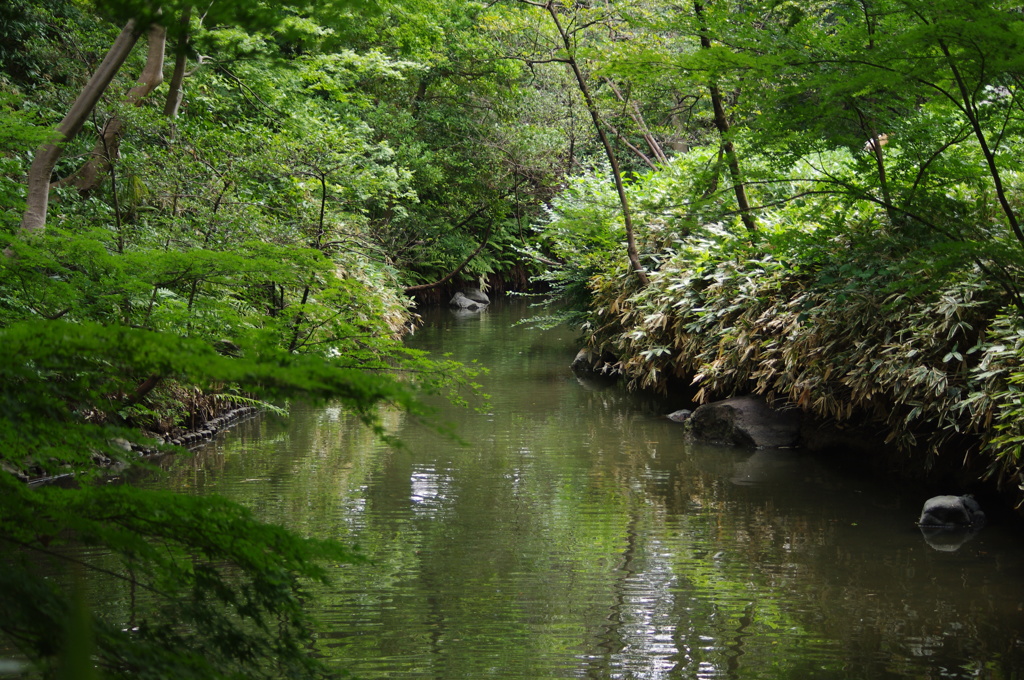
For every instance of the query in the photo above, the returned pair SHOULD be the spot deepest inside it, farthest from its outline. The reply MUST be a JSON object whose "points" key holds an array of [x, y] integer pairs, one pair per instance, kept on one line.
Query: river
{"points": [[575, 533]]}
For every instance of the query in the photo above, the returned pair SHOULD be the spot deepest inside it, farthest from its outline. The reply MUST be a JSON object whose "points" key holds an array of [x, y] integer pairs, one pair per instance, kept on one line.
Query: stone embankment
{"points": [[188, 439], [211, 427]]}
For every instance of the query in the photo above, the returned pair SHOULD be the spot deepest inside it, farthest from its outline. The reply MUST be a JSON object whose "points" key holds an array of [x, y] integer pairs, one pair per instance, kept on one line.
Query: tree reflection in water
{"points": [[576, 535]]}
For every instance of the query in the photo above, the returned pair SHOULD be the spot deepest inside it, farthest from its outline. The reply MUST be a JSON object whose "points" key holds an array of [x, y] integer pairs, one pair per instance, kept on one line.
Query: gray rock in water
{"points": [[583, 362], [947, 522], [477, 295], [745, 421], [588, 364], [680, 416], [951, 512], [460, 301]]}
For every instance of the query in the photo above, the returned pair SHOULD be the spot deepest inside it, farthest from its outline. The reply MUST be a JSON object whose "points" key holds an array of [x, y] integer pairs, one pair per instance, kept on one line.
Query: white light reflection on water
{"points": [[429, 489]]}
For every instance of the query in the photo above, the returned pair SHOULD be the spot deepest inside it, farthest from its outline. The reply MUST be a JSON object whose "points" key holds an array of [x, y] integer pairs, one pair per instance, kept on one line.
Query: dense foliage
{"points": [[237, 241], [870, 271], [819, 203]]}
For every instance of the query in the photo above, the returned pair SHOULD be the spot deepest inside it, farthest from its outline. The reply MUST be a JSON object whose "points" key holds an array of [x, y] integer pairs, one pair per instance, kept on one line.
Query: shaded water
{"points": [[577, 535]]}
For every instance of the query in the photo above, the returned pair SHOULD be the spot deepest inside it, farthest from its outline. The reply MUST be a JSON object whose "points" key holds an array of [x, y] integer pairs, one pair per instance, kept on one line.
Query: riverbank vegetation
{"points": [[819, 203], [849, 244]]}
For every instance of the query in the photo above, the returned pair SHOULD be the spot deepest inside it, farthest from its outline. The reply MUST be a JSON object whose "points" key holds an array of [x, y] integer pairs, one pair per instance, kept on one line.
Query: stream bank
{"points": [[910, 368], [857, 445]]}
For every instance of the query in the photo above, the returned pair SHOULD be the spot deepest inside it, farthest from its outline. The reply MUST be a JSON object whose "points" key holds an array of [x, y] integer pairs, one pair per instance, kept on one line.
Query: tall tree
{"points": [[568, 54], [88, 177], [721, 118]]}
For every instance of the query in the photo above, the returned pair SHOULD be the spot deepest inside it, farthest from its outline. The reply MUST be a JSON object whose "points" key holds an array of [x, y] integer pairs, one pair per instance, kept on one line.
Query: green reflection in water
{"points": [[576, 535]]}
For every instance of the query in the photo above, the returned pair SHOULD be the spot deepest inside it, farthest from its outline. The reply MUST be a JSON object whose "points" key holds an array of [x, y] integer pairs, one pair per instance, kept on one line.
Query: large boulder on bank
{"points": [[745, 421]]}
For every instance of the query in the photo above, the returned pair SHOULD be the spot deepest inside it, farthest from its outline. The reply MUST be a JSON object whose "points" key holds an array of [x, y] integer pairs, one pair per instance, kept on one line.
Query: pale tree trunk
{"points": [[89, 176], [632, 147], [638, 118], [153, 72], [34, 219], [679, 144], [722, 124]]}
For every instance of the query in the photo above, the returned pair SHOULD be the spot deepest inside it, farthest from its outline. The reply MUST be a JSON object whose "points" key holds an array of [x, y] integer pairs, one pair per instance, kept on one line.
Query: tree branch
{"points": [[34, 218]]}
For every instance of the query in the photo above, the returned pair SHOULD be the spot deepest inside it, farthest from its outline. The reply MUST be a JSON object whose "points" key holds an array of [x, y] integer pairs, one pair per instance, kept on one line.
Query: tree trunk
{"points": [[34, 219], [89, 176], [627, 216], [722, 124], [483, 242], [876, 143], [174, 93], [455, 272], [632, 147], [740, 189]]}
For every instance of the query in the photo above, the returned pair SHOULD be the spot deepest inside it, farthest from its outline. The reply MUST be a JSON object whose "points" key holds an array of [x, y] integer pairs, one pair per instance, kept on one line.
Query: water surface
{"points": [[576, 534]]}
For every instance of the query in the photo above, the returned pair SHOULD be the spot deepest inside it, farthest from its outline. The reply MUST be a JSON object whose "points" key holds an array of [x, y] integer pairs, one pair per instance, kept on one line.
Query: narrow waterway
{"points": [[574, 533]]}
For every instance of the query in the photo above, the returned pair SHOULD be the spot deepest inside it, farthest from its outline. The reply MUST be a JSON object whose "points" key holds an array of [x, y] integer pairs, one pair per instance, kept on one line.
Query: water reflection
{"points": [[769, 465], [577, 535], [429, 491], [947, 540]]}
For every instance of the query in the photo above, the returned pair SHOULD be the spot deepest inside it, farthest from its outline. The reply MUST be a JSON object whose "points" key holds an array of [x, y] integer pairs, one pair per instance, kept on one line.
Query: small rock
{"points": [[951, 512], [119, 443], [947, 522], [588, 364]]}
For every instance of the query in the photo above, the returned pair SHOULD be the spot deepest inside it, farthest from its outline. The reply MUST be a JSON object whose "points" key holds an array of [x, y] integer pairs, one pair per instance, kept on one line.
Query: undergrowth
{"points": [[829, 308]]}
